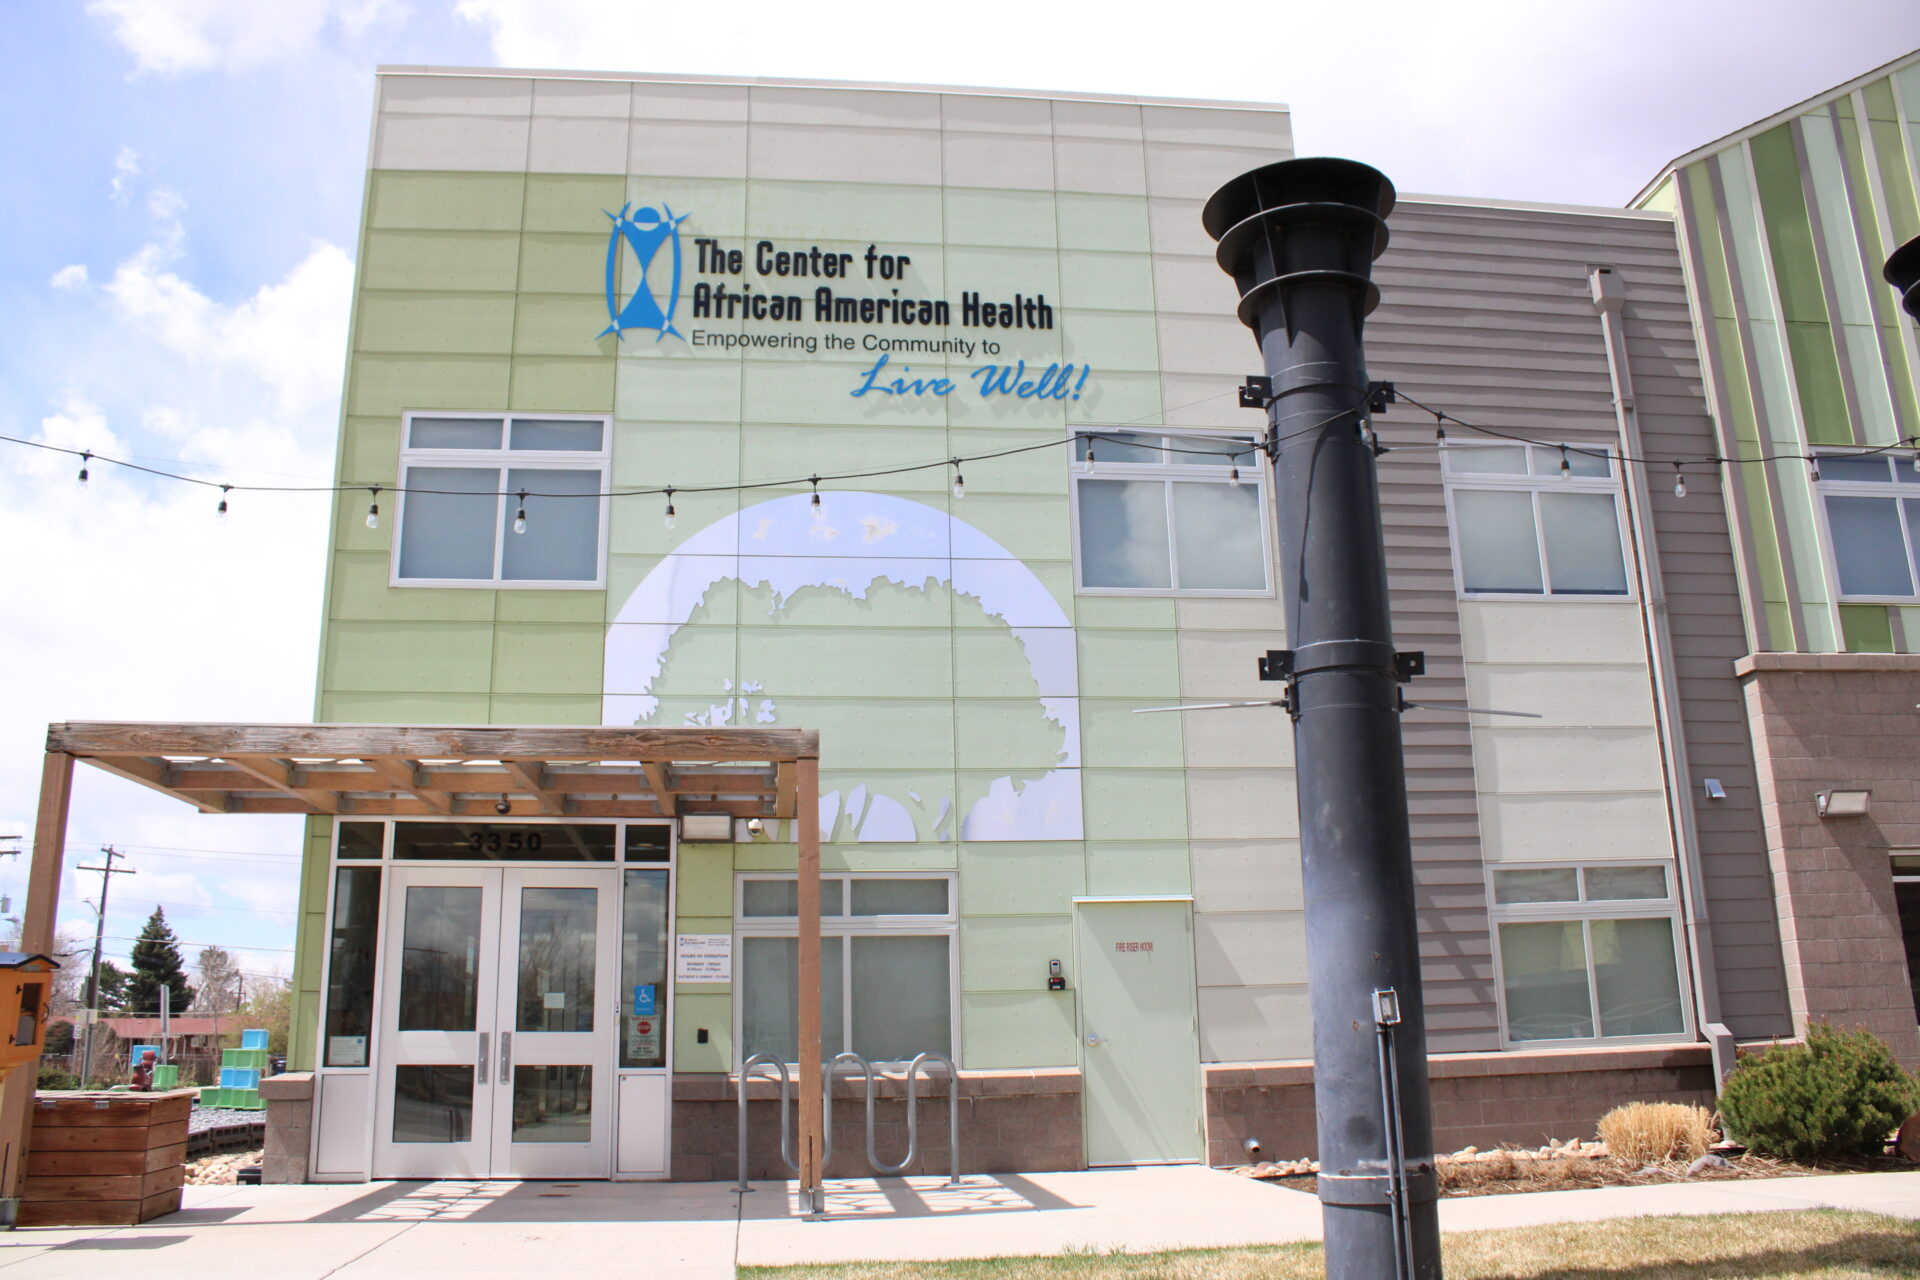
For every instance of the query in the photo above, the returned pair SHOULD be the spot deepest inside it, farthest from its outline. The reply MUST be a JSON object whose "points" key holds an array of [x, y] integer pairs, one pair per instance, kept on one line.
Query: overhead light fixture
{"points": [[1843, 804]]}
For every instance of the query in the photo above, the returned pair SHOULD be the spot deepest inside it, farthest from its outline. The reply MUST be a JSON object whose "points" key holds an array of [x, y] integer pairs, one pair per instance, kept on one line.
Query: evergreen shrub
{"points": [[1840, 1093]]}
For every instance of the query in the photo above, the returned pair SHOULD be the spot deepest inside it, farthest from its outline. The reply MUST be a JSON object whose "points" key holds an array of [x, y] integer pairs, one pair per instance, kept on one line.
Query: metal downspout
{"points": [[1609, 299]]}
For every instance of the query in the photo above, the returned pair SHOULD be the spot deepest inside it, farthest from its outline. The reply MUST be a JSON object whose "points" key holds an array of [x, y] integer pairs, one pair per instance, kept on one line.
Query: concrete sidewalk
{"points": [[701, 1231]]}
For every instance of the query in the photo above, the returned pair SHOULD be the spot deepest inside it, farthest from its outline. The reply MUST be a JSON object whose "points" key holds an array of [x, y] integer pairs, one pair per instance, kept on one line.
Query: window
{"points": [[886, 966], [460, 511], [1588, 952], [1872, 507], [1523, 527], [1906, 899], [1170, 514]]}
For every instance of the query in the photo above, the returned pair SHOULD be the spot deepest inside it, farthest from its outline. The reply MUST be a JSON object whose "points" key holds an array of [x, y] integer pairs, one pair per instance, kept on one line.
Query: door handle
{"points": [[1094, 1041], [482, 1077], [506, 1056]]}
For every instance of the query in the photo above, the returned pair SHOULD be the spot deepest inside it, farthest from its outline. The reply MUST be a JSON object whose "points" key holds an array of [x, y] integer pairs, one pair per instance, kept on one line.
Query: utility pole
{"points": [[107, 873], [1299, 238]]}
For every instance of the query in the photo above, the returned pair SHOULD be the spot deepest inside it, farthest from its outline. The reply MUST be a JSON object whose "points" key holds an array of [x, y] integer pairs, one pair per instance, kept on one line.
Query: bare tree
{"points": [[219, 987]]}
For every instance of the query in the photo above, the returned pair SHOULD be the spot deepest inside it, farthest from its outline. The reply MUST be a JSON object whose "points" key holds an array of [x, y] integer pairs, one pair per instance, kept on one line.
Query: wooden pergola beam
{"points": [[150, 771], [404, 775], [532, 778], [662, 788], [282, 775], [419, 742]]}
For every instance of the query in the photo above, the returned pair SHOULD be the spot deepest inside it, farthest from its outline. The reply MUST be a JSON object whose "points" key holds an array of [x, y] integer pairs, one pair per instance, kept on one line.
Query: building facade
{"points": [[909, 416], [1814, 379]]}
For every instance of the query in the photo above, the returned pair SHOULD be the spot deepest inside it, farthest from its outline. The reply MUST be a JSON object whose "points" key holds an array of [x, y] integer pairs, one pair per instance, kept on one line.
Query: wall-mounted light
{"points": [[713, 827], [1843, 804], [1714, 790]]}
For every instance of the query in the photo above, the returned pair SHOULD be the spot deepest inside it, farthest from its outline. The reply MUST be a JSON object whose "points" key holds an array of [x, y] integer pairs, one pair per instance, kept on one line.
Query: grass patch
{"points": [[1818, 1244]]}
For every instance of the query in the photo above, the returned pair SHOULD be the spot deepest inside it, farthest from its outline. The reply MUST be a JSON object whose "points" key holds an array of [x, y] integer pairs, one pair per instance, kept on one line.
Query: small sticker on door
{"points": [[1133, 946], [556, 1000]]}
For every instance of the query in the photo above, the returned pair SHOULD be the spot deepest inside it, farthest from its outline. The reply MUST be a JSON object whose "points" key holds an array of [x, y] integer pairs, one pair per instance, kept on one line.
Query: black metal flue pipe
{"points": [[1299, 239], [1903, 273]]}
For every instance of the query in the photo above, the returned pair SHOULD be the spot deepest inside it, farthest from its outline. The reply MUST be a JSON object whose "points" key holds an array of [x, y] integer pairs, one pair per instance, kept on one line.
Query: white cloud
{"points": [[126, 167], [70, 278], [176, 36], [291, 335]]}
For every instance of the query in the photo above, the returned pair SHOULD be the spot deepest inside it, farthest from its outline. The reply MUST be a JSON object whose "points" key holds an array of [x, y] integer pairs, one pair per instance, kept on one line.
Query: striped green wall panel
{"points": [[1867, 628], [1796, 273]]}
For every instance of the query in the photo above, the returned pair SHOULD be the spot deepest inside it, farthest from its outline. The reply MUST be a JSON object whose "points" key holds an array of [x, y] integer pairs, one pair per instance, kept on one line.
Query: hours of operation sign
{"points": [[703, 957]]}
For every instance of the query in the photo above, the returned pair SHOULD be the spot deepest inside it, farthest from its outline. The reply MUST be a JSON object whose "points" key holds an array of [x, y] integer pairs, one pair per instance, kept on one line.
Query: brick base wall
{"points": [[1479, 1099], [1825, 721], [1010, 1122]]}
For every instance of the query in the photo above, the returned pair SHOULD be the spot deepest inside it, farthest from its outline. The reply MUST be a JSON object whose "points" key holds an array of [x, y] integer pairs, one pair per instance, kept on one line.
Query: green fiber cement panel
{"points": [[704, 881], [1111, 734], [1705, 227], [1816, 367], [1867, 628], [550, 606], [361, 594], [536, 657], [1016, 219], [562, 263], [788, 660], [1135, 804], [1878, 97], [444, 201], [424, 323], [1010, 953], [543, 708], [562, 384], [1106, 281], [352, 707], [1119, 868], [571, 201], [389, 385], [691, 1013], [652, 455], [700, 391], [1896, 173], [1019, 879], [1008, 735], [447, 261], [862, 212], [554, 324], [782, 453], [410, 657], [1111, 223], [1137, 663], [1783, 210], [1009, 1030]]}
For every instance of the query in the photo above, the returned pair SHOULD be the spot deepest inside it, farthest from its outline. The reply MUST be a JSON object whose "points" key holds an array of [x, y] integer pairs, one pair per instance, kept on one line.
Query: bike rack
{"points": [[869, 1075]]}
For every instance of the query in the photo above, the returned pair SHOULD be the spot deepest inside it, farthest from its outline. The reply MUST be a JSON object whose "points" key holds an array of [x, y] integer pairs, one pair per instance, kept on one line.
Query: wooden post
{"points": [[812, 1140], [36, 934]]}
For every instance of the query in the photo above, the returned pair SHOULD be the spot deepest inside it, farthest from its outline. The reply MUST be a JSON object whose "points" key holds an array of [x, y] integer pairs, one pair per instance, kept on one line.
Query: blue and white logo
{"points": [[645, 232]]}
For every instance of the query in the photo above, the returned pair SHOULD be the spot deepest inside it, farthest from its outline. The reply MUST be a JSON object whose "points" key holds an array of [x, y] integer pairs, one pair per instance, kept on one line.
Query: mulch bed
{"points": [[1491, 1176]]}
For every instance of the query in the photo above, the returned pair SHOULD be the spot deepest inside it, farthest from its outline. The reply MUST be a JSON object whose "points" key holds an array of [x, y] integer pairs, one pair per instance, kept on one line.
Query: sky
{"points": [[180, 185]]}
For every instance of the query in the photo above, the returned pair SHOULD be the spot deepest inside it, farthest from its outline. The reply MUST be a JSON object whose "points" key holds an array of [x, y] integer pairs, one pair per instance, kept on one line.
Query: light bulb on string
{"points": [[670, 519], [959, 481], [220, 513], [1089, 440], [1916, 462], [520, 514], [1566, 468], [819, 512], [85, 458], [1439, 427], [1679, 481], [1813, 469], [373, 509]]}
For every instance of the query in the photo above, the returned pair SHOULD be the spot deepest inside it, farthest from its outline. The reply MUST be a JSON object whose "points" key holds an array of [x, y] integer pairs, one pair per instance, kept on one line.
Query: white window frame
{"points": [[1535, 483], [1889, 490], [1253, 471], [849, 926], [503, 460], [1587, 911]]}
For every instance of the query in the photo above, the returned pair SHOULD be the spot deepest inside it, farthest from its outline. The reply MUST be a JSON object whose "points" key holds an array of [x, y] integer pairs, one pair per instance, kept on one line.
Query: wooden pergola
{"points": [[469, 771]]}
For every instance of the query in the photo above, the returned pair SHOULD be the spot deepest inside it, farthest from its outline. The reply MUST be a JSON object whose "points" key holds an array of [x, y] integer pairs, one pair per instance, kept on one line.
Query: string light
{"points": [[86, 457], [1566, 468], [1089, 440], [1439, 427], [373, 508], [1916, 460], [1813, 468], [1233, 473], [221, 513], [520, 514], [819, 512], [670, 519], [1679, 482], [959, 481]]}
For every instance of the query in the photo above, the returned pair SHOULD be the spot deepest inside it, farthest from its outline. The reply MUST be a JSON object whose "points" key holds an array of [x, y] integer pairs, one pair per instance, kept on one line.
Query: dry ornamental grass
{"points": [[1648, 1132]]}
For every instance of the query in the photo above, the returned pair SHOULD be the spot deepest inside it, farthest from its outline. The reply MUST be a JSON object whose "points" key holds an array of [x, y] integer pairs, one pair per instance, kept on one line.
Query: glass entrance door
{"points": [[500, 1014]]}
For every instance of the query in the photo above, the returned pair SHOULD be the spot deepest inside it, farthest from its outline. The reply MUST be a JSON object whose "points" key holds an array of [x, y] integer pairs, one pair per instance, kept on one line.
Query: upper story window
{"points": [[461, 514], [1872, 505], [1524, 527], [1168, 513], [1588, 952]]}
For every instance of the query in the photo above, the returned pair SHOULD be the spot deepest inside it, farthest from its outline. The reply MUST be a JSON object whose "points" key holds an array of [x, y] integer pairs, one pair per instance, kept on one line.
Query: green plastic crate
{"points": [[166, 1076], [255, 1059]]}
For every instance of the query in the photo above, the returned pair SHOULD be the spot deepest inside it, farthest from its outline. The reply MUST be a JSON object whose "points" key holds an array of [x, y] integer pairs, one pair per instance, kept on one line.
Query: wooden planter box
{"points": [[105, 1159]]}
